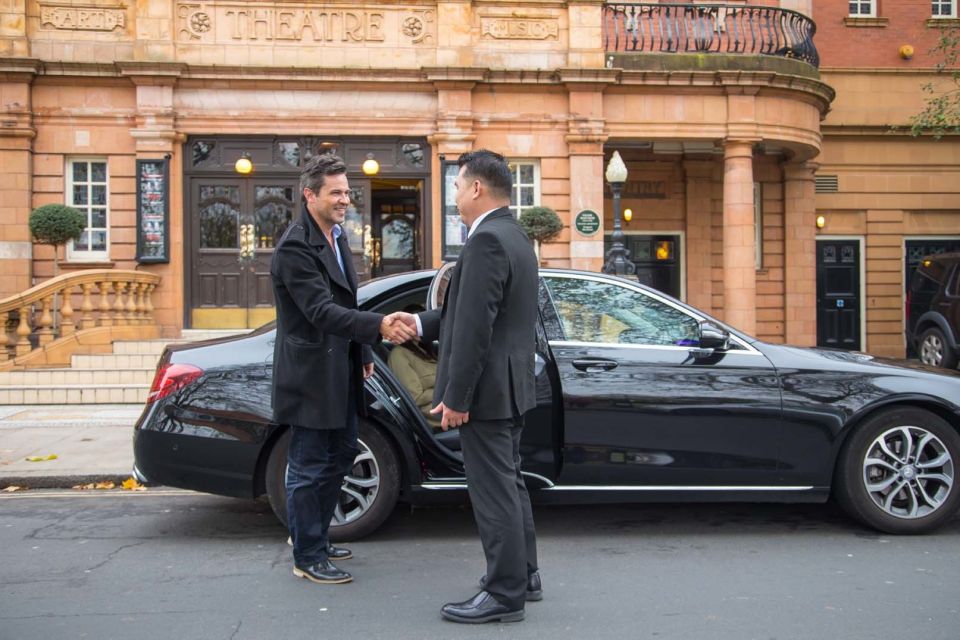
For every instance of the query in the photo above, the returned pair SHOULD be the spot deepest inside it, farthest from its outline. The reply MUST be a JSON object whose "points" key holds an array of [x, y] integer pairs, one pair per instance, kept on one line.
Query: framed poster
{"points": [[153, 211], [454, 232]]}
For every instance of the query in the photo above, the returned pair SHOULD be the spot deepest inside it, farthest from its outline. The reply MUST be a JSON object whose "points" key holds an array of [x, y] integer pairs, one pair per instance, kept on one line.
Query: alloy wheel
{"points": [[360, 487], [931, 351], [908, 472]]}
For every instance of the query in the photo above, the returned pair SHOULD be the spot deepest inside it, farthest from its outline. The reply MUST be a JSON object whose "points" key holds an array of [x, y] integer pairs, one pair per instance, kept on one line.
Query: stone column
{"points": [[800, 254], [585, 138], [699, 258], [739, 244], [156, 137], [16, 177]]}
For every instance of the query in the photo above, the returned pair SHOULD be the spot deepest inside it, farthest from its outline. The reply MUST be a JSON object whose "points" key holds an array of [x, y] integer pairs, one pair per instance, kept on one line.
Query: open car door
{"points": [[540, 447]]}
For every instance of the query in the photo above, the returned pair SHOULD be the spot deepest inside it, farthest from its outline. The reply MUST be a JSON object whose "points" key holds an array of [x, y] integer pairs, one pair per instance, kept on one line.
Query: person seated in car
{"points": [[416, 369]]}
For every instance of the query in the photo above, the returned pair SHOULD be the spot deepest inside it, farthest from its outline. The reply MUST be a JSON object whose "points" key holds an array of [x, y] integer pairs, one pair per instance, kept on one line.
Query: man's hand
{"points": [[396, 329], [367, 370], [450, 417]]}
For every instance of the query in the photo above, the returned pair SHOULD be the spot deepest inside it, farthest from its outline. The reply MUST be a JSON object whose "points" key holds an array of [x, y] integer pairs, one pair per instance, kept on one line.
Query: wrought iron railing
{"points": [[709, 28]]}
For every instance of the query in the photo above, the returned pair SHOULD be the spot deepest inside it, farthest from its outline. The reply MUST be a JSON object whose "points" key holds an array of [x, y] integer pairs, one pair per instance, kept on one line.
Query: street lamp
{"points": [[618, 258]]}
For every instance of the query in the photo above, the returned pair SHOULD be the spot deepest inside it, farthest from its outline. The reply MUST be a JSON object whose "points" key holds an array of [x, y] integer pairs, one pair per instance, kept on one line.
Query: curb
{"points": [[63, 481]]}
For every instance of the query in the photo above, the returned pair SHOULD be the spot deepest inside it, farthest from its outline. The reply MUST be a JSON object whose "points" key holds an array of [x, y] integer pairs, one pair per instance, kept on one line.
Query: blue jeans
{"points": [[317, 461]]}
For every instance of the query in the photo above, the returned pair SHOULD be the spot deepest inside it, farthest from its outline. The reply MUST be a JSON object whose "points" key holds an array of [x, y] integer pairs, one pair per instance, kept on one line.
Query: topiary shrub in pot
{"points": [[56, 225], [541, 224]]}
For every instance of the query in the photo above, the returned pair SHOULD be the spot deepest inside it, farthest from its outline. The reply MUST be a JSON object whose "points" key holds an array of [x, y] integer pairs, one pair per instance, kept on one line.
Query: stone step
{"points": [[74, 394], [139, 347], [113, 361], [87, 377]]}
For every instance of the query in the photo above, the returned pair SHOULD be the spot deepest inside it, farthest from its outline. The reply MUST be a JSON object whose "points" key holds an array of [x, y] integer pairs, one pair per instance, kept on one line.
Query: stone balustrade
{"points": [[73, 304]]}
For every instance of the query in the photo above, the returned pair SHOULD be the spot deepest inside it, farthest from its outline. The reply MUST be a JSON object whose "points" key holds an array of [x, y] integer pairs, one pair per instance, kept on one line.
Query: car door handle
{"points": [[594, 365]]}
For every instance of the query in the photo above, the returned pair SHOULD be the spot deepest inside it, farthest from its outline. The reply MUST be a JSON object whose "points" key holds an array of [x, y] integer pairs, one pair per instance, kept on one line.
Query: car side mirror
{"points": [[713, 336]]}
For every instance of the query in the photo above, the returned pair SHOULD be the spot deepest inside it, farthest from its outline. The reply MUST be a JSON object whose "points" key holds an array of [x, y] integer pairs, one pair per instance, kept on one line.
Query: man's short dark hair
{"points": [[318, 168], [489, 168]]}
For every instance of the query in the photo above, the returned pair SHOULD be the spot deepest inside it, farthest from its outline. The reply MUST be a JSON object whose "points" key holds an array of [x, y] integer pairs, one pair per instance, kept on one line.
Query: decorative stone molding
{"points": [[217, 22], [78, 18], [519, 28]]}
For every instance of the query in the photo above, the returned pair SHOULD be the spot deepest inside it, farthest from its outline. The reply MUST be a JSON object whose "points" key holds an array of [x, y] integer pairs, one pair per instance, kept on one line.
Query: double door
{"points": [[235, 223]]}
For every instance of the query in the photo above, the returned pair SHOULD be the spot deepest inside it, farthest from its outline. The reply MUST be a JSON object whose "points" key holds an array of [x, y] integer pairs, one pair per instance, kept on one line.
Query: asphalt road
{"points": [[177, 565]]}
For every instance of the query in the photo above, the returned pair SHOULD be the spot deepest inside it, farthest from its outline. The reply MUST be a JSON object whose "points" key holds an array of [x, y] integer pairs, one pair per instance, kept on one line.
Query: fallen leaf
{"points": [[104, 485], [11, 488], [131, 484], [82, 487], [52, 456]]}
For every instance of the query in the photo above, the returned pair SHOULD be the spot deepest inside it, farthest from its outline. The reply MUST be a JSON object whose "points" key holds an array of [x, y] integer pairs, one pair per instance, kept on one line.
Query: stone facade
{"points": [[713, 143]]}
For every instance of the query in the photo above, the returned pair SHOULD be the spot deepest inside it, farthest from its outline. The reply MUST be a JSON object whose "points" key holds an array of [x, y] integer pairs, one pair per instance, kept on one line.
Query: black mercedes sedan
{"points": [[640, 398]]}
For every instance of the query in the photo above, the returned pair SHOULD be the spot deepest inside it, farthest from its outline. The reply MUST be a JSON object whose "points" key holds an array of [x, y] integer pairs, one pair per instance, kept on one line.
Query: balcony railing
{"points": [[709, 28]]}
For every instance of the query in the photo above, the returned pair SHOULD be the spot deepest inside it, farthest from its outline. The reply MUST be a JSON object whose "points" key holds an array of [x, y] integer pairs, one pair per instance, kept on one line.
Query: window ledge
{"points": [[853, 21], [939, 23], [88, 264]]}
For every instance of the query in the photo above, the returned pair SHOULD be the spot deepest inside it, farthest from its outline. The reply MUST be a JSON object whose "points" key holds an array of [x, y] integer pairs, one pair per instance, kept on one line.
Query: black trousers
{"points": [[501, 505], [317, 461]]}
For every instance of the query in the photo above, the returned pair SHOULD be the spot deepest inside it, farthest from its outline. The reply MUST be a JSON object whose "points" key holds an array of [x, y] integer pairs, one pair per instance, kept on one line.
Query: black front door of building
{"points": [[396, 225], [838, 294]]}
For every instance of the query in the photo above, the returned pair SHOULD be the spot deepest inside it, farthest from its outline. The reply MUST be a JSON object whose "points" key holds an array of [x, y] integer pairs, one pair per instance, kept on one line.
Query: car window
{"points": [[927, 278], [592, 311]]}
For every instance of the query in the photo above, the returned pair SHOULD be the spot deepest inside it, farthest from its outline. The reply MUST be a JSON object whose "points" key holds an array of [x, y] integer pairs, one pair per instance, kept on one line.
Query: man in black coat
{"points": [[321, 356], [485, 382]]}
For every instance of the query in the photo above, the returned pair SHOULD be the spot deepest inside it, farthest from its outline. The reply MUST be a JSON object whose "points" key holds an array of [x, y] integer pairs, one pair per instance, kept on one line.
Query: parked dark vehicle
{"points": [[933, 310], [640, 398]]}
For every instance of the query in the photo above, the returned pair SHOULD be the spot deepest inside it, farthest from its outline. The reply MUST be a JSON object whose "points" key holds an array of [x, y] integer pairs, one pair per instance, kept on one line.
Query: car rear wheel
{"points": [[897, 472], [369, 492], [935, 351]]}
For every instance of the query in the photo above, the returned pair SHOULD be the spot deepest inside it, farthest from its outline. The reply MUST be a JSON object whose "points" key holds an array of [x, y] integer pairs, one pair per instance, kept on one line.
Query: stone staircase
{"points": [[121, 377]]}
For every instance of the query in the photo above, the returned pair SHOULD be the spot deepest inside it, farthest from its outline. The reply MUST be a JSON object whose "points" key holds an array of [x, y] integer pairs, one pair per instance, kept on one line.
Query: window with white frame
{"points": [[863, 8], [944, 9], [526, 185], [87, 192]]}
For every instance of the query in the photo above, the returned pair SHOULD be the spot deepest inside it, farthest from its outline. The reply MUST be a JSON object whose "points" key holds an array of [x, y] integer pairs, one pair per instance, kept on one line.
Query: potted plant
{"points": [[56, 225], [541, 224]]}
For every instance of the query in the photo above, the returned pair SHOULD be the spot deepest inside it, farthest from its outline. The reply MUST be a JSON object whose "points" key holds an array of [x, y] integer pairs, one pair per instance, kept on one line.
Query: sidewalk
{"points": [[91, 442]]}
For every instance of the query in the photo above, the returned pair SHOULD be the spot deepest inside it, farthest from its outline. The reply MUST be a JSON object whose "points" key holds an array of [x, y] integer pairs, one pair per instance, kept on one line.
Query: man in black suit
{"points": [[485, 382], [321, 356]]}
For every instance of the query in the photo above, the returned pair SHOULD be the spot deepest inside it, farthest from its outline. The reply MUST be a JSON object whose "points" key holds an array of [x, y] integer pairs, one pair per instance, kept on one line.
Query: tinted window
{"points": [[592, 311], [928, 277]]}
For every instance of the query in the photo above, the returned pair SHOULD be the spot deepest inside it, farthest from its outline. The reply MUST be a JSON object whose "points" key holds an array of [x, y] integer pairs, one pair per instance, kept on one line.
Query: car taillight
{"points": [[170, 378]]}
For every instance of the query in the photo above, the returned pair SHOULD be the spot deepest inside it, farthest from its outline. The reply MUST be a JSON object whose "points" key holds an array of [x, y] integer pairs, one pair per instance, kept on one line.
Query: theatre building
{"points": [[179, 129]]}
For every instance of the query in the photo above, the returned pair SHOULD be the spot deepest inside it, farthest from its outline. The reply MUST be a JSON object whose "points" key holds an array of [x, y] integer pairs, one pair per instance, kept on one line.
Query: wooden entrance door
{"points": [[227, 215], [838, 294]]}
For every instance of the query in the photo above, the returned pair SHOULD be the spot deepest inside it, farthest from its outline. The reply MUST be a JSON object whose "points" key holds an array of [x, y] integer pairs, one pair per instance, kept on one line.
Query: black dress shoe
{"points": [[338, 553], [334, 553], [322, 572], [534, 588], [481, 608]]}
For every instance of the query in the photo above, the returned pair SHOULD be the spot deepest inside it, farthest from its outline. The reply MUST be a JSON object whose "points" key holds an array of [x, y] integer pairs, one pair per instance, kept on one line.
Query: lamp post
{"points": [[618, 258]]}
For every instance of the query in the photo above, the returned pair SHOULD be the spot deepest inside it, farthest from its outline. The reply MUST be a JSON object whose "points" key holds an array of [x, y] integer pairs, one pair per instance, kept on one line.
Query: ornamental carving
{"points": [[235, 23], [74, 18], [504, 28]]}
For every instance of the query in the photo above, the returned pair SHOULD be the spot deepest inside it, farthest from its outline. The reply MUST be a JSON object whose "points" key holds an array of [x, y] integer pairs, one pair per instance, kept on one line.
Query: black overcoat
{"points": [[487, 326], [322, 337]]}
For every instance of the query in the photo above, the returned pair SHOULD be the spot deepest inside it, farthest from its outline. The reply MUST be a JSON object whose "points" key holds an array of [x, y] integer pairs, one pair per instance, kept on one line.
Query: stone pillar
{"points": [[156, 137], [586, 34], [800, 254], [739, 244], [16, 177], [585, 139], [454, 135], [699, 259]]}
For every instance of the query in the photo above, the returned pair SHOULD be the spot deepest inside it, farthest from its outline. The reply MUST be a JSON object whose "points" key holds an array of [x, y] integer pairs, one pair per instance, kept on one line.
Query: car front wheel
{"points": [[935, 351], [897, 472], [369, 491]]}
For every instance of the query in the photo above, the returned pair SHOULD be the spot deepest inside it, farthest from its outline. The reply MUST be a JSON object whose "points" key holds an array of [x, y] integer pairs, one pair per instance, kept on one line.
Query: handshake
{"points": [[399, 327]]}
